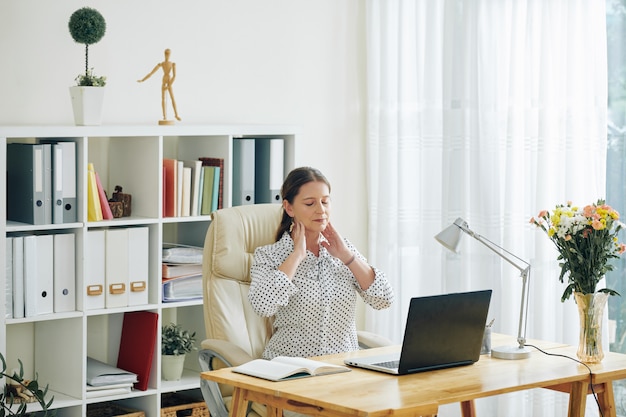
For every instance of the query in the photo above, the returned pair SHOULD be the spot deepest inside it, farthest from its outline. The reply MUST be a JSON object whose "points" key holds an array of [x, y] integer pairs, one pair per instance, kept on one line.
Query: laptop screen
{"points": [[444, 330]]}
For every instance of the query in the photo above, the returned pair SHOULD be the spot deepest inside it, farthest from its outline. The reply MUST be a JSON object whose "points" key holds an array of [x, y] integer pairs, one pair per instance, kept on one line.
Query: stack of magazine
{"points": [[104, 379], [181, 272]]}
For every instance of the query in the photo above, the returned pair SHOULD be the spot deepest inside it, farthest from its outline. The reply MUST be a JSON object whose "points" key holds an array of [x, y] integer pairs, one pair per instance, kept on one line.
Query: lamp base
{"points": [[510, 352]]}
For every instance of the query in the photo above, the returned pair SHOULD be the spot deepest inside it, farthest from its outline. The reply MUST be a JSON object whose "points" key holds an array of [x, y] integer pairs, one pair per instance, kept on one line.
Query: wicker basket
{"points": [[173, 405], [108, 409]]}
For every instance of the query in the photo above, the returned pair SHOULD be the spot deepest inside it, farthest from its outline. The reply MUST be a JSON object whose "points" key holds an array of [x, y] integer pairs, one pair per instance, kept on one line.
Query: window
{"points": [[616, 174]]}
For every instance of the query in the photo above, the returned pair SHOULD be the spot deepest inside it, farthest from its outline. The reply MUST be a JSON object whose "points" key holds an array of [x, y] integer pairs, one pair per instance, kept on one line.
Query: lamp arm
{"points": [[524, 274], [503, 253], [523, 313]]}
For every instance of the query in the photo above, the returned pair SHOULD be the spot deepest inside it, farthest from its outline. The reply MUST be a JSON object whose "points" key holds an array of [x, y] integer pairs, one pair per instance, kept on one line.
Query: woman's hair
{"points": [[290, 189]]}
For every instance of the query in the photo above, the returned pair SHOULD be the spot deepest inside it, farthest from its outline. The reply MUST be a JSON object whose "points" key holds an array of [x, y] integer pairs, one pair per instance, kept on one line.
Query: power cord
{"points": [[595, 396]]}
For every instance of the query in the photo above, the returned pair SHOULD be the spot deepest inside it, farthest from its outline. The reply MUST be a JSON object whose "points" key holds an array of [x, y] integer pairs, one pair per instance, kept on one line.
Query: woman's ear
{"points": [[287, 208]]}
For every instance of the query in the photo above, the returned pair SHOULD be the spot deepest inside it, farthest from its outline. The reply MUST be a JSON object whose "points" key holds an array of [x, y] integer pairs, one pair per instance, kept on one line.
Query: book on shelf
{"points": [[171, 270], [182, 288], [137, 343], [284, 367], [185, 210], [103, 374], [126, 385], [219, 163], [179, 188], [216, 189], [94, 209], [208, 174], [176, 253], [170, 187], [104, 201], [196, 171], [107, 390]]}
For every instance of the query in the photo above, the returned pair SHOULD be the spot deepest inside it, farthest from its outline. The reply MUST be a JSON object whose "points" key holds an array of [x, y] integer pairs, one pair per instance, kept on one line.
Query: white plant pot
{"points": [[87, 105], [172, 367]]}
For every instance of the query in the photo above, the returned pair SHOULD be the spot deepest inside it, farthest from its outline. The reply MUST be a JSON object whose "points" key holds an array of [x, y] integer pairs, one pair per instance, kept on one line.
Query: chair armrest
{"points": [[371, 340], [215, 354], [230, 354]]}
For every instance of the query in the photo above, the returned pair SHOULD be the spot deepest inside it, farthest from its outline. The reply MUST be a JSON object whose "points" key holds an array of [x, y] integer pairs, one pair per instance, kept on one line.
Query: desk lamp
{"points": [[450, 238]]}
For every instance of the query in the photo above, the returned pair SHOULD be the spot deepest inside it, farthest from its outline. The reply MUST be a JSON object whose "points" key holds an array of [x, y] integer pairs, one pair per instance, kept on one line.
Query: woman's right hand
{"points": [[290, 265], [299, 240]]}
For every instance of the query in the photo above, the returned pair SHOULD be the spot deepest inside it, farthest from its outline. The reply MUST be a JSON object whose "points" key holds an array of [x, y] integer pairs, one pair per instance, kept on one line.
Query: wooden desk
{"points": [[368, 393], [612, 368]]}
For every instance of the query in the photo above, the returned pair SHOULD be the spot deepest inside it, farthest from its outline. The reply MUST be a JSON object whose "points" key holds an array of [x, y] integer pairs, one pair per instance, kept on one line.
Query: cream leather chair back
{"points": [[235, 333], [229, 246]]}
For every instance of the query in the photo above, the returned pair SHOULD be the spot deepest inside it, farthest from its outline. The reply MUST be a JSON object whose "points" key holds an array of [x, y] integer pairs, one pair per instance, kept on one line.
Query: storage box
{"points": [[108, 409], [174, 404]]}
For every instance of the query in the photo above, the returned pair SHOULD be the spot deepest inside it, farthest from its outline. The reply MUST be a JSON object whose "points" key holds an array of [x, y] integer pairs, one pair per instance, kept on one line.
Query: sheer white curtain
{"points": [[489, 111]]}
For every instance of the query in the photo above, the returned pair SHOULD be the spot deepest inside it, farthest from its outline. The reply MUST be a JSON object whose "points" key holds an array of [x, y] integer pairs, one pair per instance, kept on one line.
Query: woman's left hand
{"points": [[335, 245]]}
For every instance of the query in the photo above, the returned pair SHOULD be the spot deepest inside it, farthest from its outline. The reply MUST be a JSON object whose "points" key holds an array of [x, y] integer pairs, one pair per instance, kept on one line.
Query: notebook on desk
{"points": [[441, 331]]}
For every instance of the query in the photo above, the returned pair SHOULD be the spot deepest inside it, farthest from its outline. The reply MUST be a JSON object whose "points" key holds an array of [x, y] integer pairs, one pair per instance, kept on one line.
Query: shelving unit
{"points": [[55, 346]]}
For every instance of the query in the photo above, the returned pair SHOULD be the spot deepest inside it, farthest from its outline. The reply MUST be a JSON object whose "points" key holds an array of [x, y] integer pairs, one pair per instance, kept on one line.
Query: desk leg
{"points": [[239, 405], [577, 399], [468, 409], [607, 400], [273, 411]]}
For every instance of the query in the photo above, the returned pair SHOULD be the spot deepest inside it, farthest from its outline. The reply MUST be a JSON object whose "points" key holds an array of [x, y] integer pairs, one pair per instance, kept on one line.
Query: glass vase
{"points": [[590, 311]]}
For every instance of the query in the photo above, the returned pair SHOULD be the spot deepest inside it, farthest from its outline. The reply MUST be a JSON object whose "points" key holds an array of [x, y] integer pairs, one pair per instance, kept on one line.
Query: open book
{"points": [[285, 367]]}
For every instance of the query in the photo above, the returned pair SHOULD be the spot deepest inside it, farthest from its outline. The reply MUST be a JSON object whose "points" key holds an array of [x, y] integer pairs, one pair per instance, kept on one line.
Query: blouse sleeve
{"points": [[270, 288], [379, 295]]}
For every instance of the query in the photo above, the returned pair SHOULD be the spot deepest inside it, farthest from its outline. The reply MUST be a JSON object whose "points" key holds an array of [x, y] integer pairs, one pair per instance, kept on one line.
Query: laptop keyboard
{"points": [[388, 364]]}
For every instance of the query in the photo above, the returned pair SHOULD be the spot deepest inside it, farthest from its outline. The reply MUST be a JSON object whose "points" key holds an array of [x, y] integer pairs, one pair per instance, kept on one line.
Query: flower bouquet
{"points": [[586, 240]]}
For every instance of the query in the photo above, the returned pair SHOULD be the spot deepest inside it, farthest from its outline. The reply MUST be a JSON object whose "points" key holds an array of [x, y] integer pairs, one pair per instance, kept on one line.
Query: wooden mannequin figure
{"points": [[169, 75]]}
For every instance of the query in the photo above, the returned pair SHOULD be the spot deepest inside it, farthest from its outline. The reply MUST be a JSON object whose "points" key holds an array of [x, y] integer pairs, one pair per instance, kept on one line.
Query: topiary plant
{"points": [[87, 26]]}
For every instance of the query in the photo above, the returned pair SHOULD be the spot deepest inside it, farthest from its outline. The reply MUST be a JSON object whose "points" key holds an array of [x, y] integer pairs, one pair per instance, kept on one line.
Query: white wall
{"points": [[297, 62]]}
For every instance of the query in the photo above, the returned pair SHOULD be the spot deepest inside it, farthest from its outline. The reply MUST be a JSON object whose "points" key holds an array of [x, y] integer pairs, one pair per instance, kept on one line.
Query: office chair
{"points": [[235, 333]]}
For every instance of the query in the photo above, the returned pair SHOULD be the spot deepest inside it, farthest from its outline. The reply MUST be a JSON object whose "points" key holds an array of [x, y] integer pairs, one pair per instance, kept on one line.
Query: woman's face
{"points": [[311, 206]]}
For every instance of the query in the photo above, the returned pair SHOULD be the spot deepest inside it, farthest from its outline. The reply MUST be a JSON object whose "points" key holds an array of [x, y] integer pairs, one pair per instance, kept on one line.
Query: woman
{"points": [[310, 277]]}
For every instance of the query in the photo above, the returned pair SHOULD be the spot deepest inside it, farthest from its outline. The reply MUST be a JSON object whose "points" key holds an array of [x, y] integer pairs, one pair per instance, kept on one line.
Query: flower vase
{"points": [[590, 311]]}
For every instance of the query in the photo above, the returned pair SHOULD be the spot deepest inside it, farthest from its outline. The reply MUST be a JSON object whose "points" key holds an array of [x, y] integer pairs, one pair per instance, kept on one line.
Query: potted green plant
{"points": [[87, 26], [176, 342], [19, 391]]}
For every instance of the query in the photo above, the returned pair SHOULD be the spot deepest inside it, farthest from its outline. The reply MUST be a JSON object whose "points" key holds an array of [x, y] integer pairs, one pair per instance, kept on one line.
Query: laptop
{"points": [[441, 331]]}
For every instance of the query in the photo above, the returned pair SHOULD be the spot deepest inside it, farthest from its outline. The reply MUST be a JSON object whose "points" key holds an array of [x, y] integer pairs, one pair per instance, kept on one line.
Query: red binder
{"points": [[137, 344]]}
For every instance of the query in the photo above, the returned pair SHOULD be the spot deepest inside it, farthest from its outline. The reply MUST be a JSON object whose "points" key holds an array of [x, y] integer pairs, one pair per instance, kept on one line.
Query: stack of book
{"points": [[181, 272], [97, 203], [192, 187], [104, 379]]}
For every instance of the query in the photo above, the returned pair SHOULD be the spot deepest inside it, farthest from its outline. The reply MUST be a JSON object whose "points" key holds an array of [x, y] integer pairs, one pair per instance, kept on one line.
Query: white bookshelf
{"points": [[55, 346]]}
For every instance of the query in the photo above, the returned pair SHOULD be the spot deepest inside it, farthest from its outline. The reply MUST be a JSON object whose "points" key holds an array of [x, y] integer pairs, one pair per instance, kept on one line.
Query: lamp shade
{"points": [[450, 237]]}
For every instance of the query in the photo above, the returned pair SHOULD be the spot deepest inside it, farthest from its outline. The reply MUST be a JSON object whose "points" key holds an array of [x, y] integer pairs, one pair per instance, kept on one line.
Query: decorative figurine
{"points": [[169, 75]]}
